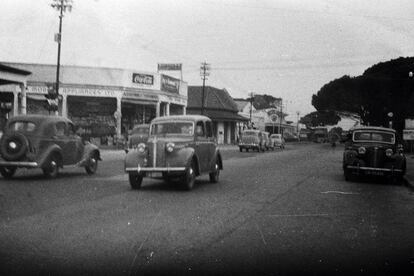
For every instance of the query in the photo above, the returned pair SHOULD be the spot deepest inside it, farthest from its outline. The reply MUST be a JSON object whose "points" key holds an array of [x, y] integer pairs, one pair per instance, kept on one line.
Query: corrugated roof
{"points": [[219, 115], [214, 98]]}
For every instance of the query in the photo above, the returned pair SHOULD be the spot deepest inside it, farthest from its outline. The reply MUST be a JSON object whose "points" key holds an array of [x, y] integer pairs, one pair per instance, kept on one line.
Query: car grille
{"points": [[156, 152], [375, 157]]}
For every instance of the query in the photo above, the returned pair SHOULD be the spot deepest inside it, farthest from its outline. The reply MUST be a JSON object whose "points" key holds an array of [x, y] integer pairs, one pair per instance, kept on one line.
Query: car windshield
{"points": [[250, 133], [172, 128], [369, 136], [140, 130], [22, 126]]}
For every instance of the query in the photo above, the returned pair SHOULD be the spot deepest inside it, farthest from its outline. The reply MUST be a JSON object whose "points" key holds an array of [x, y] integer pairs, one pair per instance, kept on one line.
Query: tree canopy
{"points": [[383, 90]]}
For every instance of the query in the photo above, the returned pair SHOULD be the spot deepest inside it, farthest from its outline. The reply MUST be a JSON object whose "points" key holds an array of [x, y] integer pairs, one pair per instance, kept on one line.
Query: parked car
{"points": [[139, 134], [373, 151], [251, 139], [46, 142], [179, 147], [278, 140], [320, 135], [266, 141]]}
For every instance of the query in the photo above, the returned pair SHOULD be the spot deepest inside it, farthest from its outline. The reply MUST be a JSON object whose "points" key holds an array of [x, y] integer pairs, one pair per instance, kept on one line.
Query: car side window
{"points": [[200, 129], [209, 130], [60, 129]]}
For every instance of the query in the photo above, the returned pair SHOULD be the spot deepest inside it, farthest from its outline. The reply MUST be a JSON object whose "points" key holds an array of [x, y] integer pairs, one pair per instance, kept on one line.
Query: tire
{"points": [[92, 166], [189, 177], [135, 180], [7, 172], [21, 145], [51, 170], [214, 176]]}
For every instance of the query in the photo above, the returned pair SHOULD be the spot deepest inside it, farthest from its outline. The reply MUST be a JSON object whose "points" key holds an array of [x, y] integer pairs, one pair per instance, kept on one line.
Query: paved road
{"points": [[272, 213]]}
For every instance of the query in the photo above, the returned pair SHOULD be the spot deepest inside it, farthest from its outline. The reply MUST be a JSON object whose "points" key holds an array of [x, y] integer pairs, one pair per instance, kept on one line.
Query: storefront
{"points": [[105, 103]]}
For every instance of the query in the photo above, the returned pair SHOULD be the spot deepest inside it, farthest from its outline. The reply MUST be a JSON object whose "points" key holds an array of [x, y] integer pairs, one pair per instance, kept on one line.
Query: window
{"points": [[172, 128], [209, 130], [60, 128], [200, 129], [22, 126]]}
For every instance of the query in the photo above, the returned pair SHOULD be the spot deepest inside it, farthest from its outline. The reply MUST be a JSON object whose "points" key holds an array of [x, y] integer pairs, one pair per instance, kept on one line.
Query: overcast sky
{"points": [[284, 48]]}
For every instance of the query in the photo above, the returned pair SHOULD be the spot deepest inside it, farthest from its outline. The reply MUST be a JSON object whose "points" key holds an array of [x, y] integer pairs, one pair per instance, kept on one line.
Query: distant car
{"points": [[46, 142], [278, 140], [266, 141], [139, 134], [251, 139], [179, 147], [373, 151]]}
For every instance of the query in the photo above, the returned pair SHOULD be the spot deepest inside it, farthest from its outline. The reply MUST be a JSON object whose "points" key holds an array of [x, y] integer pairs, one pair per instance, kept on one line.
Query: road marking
{"points": [[301, 215], [339, 192], [142, 243]]}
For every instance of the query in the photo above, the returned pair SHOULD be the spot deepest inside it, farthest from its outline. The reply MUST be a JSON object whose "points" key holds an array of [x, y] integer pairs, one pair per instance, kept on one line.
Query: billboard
{"points": [[170, 84], [169, 66], [143, 79]]}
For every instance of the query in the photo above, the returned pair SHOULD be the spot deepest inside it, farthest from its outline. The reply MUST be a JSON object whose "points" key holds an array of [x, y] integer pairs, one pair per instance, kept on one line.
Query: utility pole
{"points": [[61, 6], [251, 94], [281, 116], [297, 122], [204, 73]]}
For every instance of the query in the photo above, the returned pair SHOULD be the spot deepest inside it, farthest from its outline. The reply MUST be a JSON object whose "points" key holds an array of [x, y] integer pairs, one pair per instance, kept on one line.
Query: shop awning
{"points": [[223, 115], [136, 101]]}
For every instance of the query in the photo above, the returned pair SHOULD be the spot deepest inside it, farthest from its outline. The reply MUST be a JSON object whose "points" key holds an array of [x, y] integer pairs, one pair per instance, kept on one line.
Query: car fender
{"points": [[133, 158], [89, 151], [183, 158], [48, 152]]}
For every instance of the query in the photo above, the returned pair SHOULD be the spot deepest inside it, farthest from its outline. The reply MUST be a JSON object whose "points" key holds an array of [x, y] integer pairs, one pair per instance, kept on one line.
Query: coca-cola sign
{"points": [[143, 79]]}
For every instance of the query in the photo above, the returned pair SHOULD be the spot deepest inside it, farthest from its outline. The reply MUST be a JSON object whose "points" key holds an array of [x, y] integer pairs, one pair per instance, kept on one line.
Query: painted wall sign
{"points": [[170, 84], [143, 79]]}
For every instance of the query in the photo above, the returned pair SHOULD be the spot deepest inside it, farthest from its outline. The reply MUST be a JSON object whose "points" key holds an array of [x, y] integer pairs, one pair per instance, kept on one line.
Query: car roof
{"points": [[39, 119], [181, 118], [141, 126], [374, 128]]}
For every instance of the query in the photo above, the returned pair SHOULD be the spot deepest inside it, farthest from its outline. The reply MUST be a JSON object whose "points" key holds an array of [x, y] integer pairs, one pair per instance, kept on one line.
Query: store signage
{"points": [[272, 112], [135, 95], [273, 118], [408, 134], [170, 84], [143, 79], [169, 66], [74, 91]]}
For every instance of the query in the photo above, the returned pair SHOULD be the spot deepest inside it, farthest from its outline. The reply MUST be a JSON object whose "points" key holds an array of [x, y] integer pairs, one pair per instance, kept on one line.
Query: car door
{"points": [[201, 147], [211, 142], [60, 138], [75, 144]]}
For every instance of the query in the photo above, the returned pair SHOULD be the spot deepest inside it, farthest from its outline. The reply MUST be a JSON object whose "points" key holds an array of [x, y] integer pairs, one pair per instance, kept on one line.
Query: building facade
{"points": [[101, 101], [220, 108]]}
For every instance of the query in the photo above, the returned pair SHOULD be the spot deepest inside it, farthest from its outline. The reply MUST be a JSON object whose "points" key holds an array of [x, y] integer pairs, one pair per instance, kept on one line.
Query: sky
{"points": [[283, 48]]}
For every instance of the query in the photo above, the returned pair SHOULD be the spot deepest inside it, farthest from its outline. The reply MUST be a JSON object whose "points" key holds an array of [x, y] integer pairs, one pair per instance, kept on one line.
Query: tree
{"points": [[320, 118]]}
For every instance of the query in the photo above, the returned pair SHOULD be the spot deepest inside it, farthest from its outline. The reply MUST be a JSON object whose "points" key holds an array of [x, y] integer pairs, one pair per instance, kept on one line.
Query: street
{"points": [[274, 213]]}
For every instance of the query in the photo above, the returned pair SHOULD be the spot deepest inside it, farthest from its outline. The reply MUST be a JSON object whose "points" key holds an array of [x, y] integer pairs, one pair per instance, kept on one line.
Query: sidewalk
{"points": [[409, 176]]}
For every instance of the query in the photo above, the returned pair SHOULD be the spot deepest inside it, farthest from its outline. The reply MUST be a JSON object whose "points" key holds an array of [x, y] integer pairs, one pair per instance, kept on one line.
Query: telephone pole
{"points": [[281, 116], [62, 6], [251, 94], [204, 73]]}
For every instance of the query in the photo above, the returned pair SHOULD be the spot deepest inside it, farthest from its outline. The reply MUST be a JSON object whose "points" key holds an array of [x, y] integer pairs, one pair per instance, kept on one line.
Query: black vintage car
{"points": [[373, 151], [46, 142]]}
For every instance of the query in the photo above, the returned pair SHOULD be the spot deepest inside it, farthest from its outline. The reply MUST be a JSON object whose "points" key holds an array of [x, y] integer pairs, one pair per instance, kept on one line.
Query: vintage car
{"points": [[179, 147], [251, 139], [139, 134], [46, 142], [373, 151], [278, 140]]}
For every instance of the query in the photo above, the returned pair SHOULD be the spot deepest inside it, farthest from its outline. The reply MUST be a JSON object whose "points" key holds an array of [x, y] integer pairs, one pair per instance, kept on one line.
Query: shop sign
{"points": [[170, 84], [135, 95], [272, 112], [143, 79], [408, 134], [37, 89], [169, 66], [88, 92]]}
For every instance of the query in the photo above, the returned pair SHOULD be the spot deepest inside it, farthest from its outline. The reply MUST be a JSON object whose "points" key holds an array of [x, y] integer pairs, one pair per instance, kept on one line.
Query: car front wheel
{"points": [[214, 175], [51, 170], [189, 177], [7, 172], [92, 165], [135, 180]]}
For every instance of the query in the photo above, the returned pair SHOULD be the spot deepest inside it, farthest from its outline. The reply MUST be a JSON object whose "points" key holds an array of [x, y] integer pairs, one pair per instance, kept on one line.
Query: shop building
{"points": [[101, 101], [220, 108]]}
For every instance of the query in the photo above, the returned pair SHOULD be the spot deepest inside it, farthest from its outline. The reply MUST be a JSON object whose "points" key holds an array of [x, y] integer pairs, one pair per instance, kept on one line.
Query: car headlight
{"points": [[170, 147], [389, 152], [141, 147], [362, 150]]}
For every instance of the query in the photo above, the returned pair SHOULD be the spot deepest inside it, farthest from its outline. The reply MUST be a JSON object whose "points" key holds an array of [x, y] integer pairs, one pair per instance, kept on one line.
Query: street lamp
{"points": [[62, 6]]}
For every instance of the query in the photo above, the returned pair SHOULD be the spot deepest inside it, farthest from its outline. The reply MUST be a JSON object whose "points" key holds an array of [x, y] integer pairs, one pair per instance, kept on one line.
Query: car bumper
{"points": [[19, 164], [155, 169], [374, 171]]}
